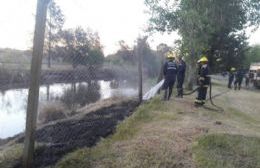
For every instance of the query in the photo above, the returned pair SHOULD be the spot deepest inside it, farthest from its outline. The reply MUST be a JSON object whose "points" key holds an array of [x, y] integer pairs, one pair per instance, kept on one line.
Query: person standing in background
{"points": [[180, 76], [203, 81], [239, 79], [170, 70], [231, 77], [247, 79]]}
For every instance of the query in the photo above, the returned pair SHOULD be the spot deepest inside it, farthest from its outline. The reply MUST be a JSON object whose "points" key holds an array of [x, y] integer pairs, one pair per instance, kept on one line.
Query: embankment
{"points": [[84, 130]]}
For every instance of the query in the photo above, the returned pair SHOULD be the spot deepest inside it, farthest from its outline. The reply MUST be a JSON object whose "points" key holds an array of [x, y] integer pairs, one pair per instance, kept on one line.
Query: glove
{"points": [[201, 81]]}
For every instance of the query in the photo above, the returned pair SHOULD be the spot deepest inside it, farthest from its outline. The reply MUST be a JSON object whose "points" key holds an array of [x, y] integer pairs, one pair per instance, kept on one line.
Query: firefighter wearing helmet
{"points": [[203, 80], [231, 77], [169, 71], [180, 76]]}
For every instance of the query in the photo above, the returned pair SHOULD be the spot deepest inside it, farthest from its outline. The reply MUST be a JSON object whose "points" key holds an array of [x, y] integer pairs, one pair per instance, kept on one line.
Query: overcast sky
{"points": [[114, 20]]}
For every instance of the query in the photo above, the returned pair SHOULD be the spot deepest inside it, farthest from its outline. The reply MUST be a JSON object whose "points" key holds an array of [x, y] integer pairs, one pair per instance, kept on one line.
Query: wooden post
{"points": [[49, 47], [140, 51], [140, 71], [33, 97]]}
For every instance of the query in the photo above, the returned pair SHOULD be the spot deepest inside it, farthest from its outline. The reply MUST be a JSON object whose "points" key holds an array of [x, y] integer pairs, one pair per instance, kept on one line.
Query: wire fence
{"points": [[80, 96], [64, 93]]}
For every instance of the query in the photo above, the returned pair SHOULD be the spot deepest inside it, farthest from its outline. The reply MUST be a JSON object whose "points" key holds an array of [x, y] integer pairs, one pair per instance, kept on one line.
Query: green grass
{"points": [[10, 156], [106, 154], [145, 113], [243, 117], [227, 151]]}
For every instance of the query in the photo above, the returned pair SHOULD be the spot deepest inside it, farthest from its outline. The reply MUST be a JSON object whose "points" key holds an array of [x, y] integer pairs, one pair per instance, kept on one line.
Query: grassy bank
{"points": [[229, 151], [58, 138], [176, 134]]}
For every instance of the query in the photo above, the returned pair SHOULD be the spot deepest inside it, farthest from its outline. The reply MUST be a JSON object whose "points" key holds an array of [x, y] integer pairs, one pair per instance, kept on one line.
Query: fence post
{"points": [[140, 51], [33, 98], [140, 70]]}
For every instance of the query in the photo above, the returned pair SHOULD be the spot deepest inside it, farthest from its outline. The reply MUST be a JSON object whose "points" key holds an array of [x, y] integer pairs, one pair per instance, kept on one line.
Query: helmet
{"points": [[233, 69], [203, 59], [219, 59], [170, 55]]}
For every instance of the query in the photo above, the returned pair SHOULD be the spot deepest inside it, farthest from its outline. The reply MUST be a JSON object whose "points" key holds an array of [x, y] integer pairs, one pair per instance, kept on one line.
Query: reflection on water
{"points": [[13, 102], [81, 94]]}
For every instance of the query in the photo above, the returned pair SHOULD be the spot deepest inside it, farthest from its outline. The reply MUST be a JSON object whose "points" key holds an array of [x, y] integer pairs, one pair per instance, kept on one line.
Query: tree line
{"points": [[216, 28], [75, 46]]}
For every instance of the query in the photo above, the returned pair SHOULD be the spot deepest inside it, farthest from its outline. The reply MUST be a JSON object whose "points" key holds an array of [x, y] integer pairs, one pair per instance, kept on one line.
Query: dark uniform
{"points": [[203, 82], [239, 78], [169, 71], [180, 77], [247, 80], [230, 79]]}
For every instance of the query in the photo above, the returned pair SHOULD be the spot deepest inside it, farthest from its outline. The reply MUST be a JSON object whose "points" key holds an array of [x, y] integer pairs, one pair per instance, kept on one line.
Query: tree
{"points": [[252, 55], [162, 49], [203, 22], [55, 22], [82, 48], [151, 61]]}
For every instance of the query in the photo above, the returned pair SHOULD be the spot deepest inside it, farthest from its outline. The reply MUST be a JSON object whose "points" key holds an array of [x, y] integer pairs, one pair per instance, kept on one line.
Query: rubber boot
{"points": [[165, 97], [181, 93]]}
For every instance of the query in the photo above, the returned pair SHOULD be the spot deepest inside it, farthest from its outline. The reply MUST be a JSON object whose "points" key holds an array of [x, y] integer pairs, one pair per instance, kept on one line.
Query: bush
{"points": [[51, 112]]}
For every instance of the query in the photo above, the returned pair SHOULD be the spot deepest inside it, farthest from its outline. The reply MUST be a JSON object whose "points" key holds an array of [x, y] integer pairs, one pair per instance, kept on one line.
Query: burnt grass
{"points": [[69, 135]]}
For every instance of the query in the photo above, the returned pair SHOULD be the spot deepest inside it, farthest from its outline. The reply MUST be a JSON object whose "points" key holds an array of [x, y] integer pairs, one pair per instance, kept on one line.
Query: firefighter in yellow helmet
{"points": [[203, 81], [169, 72], [231, 77]]}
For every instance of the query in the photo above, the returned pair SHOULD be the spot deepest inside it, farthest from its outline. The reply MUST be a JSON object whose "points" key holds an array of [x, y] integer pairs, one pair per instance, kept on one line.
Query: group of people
{"points": [[175, 69], [236, 78]]}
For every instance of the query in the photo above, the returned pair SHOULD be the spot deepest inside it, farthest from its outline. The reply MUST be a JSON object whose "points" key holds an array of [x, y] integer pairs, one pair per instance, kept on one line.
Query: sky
{"points": [[114, 20]]}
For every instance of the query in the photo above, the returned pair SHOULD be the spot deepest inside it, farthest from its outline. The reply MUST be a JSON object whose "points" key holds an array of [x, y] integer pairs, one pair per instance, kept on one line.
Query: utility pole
{"points": [[140, 71], [140, 51], [33, 98]]}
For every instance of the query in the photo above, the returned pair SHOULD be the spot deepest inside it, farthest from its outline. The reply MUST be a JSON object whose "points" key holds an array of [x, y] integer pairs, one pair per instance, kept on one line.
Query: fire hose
{"points": [[210, 95]]}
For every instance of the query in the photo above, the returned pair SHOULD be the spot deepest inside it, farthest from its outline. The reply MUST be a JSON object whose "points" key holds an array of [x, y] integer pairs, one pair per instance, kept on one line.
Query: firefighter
{"points": [[180, 76], [231, 77], [247, 79], [169, 71], [239, 78], [203, 81]]}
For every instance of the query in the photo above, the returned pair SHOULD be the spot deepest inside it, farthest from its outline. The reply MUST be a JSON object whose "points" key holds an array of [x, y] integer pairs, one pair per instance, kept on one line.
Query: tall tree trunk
{"points": [[160, 77], [191, 75]]}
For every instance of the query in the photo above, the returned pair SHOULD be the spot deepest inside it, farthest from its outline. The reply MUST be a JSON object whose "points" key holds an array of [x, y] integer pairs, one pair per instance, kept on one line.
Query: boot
{"points": [[165, 97], [178, 92], [181, 93]]}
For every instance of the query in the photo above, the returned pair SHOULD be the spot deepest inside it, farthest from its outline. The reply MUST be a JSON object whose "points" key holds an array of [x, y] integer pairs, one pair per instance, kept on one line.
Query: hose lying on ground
{"points": [[190, 93], [210, 96]]}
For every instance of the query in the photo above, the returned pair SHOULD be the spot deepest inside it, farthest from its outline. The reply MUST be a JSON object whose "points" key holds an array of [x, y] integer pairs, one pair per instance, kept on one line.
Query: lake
{"points": [[13, 102]]}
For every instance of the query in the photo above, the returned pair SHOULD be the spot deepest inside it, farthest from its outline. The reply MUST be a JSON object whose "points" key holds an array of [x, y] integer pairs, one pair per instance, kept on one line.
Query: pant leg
{"points": [[165, 94], [165, 88], [239, 84], [235, 84], [199, 96], [229, 83], [180, 85], [204, 93], [171, 84]]}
